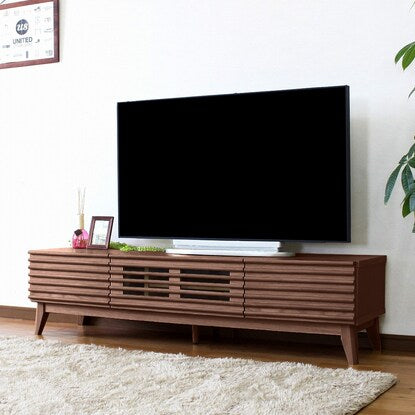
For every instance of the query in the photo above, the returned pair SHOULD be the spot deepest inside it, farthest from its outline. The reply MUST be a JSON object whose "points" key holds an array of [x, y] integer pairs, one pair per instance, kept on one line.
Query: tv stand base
{"points": [[347, 333], [310, 293]]}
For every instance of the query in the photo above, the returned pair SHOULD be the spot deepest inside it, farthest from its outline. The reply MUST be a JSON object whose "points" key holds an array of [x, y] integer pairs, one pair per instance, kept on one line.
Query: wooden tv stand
{"points": [[309, 293]]}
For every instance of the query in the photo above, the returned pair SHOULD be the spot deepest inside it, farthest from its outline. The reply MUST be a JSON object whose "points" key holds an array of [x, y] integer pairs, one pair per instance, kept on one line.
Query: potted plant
{"points": [[406, 55]]}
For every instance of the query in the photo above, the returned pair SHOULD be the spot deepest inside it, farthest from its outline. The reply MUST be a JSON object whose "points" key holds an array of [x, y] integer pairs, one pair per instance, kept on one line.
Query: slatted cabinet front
{"points": [[185, 285], [308, 288], [300, 290], [73, 277]]}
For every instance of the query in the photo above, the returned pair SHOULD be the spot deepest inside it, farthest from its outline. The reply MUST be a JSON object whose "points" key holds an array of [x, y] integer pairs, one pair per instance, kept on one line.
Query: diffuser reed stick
{"points": [[81, 206]]}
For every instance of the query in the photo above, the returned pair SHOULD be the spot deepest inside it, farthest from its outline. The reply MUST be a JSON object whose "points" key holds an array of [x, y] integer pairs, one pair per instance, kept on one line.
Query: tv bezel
{"points": [[347, 171]]}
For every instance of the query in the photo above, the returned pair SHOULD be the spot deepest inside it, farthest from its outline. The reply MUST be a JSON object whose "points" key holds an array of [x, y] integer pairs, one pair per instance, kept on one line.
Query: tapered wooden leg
{"points": [[41, 318], [374, 335], [195, 334], [349, 340]]}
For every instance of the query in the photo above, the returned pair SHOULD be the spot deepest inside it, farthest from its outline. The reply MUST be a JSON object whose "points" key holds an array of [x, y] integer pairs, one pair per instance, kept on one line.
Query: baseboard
{"points": [[28, 313], [398, 342], [393, 342]]}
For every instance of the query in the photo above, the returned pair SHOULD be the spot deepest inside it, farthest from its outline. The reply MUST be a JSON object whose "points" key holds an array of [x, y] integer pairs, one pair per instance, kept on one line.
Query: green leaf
{"points": [[411, 151], [411, 162], [406, 178], [402, 52], [408, 56], [412, 202], [405, 207], [403, 160], [391, 183]]}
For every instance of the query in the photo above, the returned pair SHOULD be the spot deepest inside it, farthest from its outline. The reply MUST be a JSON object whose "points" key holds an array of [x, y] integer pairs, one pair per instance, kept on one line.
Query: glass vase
{"points": [[80, 236]]}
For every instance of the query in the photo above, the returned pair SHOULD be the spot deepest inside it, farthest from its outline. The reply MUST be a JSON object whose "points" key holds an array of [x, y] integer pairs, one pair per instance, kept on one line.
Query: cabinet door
{"points": [[186, 285], [300, 290], [69, 277]]}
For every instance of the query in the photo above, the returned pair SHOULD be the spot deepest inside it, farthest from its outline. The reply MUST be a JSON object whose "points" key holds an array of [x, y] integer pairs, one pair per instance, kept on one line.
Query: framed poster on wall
{"points": [[29, 33]]}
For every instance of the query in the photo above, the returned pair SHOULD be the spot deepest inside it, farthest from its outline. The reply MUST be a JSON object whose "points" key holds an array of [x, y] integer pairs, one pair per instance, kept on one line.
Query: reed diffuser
{"points": [[80, 235]]}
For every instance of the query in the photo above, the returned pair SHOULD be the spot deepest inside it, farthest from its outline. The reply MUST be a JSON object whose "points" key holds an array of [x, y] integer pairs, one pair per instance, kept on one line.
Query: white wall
{"points": [[58, 121]]}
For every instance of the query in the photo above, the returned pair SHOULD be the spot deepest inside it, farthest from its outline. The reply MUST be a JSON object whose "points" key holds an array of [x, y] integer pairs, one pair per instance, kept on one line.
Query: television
{"points": [[252, 166]]}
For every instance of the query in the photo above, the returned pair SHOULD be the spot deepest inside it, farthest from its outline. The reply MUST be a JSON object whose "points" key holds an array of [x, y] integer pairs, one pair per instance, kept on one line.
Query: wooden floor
{"points": [[399, 400]]}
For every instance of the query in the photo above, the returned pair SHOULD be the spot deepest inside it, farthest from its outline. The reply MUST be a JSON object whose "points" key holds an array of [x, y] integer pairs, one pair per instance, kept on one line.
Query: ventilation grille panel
{"points": [[191, 289]]}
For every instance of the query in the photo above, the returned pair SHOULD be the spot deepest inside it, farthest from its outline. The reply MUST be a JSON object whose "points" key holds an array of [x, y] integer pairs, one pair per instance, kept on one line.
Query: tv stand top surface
{"points": [[300, 258]]}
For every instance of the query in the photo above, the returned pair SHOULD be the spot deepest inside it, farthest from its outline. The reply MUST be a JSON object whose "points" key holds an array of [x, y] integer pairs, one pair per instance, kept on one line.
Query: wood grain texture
{"points": [[76, 276], [271, 293], [41, 318], [370, 292], [196, 319], [68, 252], [321, 259], [374, 335], [195, 334], [349, 340], [185, 284]]}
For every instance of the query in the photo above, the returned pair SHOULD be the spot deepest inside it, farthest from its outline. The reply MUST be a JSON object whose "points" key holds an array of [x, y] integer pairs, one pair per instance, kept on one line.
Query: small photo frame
{"points": [[100, 232]]}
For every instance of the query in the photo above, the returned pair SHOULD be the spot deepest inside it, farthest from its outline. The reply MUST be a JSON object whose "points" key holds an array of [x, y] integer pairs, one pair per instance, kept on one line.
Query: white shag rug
{"points": [[49, 377]]}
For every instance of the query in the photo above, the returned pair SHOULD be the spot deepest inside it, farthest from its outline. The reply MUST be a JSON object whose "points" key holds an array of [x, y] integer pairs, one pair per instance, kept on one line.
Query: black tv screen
{"points": [[268, 165]]}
